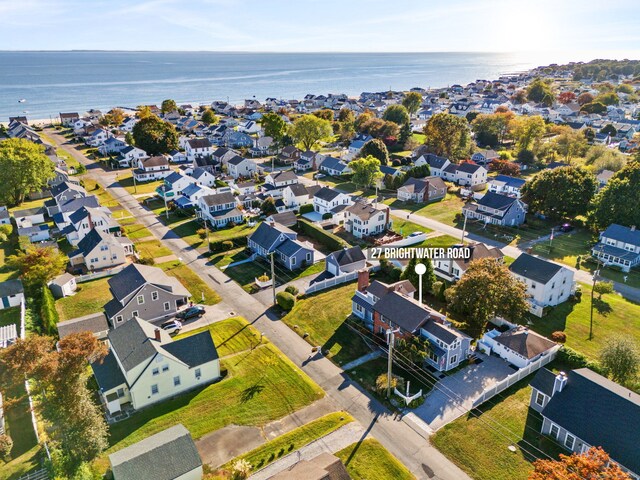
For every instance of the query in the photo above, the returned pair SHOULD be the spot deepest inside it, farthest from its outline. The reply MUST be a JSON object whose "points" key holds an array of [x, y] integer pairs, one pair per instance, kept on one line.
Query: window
{"points": [[154, 296], [453, 360], [104, 248], [120, 392], [308, 257], [176, 381], [154, 389], [165, 368], [569, 440], [293, 260], [134, 313], [140, 299], [198, 373], [167, 306], [540, 399], [155, 371], [555, 431], [119, 319]]}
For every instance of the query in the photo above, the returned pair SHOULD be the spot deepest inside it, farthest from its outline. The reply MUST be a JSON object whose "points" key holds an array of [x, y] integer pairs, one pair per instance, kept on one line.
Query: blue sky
{"points": [[593, 27]]}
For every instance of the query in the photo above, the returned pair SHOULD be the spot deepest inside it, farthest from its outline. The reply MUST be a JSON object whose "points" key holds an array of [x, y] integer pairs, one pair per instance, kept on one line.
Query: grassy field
{"points": [[326, 326], [246, 273], [479, 446], [369, 460], [566, 248], [612, 316], [187, 231], [230, 336], [90, 298], [191, 281], [278, 447], [260, 385], [125, 179], [135, 231], [152, 249], [7, 249], [444, 211]]}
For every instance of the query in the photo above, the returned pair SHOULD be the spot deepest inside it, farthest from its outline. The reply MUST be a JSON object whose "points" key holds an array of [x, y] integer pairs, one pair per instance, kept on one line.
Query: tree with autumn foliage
{"points": [[38, 265], [75, 423], [448, 136], [566, 97], [594, 464], [487, 290], [504, 167]]}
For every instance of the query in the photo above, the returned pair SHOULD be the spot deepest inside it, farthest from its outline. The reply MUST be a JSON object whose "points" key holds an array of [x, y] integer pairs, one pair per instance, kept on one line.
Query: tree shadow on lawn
{"points": [[250, 392], [351, 345], [534, 444], [602, 307]]}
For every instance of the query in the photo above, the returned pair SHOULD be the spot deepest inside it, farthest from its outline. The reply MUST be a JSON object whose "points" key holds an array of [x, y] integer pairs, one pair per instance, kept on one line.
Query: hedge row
{"points": [[573, 359], [228, 244], [48, 312], [329, 240]]}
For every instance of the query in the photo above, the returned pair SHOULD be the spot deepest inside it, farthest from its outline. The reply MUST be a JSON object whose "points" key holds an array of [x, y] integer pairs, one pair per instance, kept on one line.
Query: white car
{"points": [[171, 326]]}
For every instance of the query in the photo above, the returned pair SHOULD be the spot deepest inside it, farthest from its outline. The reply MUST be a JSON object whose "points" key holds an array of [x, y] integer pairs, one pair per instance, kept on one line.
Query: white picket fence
{"points": [[331, 282], [515, 377], [101, 274]]}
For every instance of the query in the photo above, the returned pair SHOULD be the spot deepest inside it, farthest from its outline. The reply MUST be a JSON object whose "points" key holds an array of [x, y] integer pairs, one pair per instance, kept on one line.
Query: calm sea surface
{"points": [[53, 82]]}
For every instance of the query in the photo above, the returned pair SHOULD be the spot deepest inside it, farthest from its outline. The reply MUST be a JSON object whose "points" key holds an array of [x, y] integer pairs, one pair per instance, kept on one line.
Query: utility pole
{"points": [[133, 175], [164, 196], [550, 238], [593, 287], [464, 228], [206, 227], [273, 279], [391, 341]]}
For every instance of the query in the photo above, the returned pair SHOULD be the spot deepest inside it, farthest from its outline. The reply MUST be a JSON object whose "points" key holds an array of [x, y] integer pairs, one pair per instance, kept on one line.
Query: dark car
{"points": [[566, 227], [191, 312]]}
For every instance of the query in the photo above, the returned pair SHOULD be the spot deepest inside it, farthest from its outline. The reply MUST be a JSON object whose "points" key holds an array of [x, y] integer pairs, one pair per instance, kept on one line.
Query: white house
{"points": [[619, 246], [198, 147], [11, 293], [99, 250], [63, 285], [145, 366], [297, 194], [203, 177], [328, 200], [519, 346], [130, 155], [152, 168], [364, 219], [484, 157], [506, 185], [238, 166], [280, 179], [466, 175], [548, 284]]}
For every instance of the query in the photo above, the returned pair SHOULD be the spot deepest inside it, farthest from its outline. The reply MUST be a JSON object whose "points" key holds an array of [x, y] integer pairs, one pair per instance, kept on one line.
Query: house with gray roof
{"points": [[167, 455], [283, 242], [519, 346], [98, 250], [582, 409], [506, 185], [329, 200], [145, 365], [422, 190], [219, 209], [334, 166], [497, 209], [63, 285], [145, 292], [345, 261], [96, 323], [619, 246], [11, 293]]}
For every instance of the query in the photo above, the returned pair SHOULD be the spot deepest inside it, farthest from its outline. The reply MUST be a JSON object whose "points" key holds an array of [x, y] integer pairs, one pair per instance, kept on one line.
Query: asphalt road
{"points": [[402, 437]]}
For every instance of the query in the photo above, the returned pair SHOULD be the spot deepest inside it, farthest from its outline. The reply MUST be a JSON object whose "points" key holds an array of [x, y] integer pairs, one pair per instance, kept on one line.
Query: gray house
{"points": [[497, 209], [145, 292], [620, 246], [345, 261], [584, 409], [283, 243]]}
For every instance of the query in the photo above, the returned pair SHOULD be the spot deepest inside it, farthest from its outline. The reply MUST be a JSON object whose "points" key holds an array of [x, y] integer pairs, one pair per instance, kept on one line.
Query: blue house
{"points": [[283, 243]]}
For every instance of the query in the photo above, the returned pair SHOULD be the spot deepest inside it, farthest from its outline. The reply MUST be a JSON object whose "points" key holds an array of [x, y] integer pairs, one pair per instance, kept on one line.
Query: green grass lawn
{"points": [[260, 386], [90, 298], [232, 335], [444, 211], [9, 316], [221, 260], [367, 373], [406, 227], [612, 316], [104, 197], [66, 156], [326, 326], [441, 241], [125, 179], [191, 281], [479, 446], [566, 248], [188, 232], [369, 460], [7, 249], [152, 249], [278, 447], [20, 465], [246, 273], [135, 231]]}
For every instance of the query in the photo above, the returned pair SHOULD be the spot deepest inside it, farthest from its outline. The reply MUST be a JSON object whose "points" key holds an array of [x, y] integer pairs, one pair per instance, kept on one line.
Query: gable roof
{"points": [[94, 323], [283, 176], [525, 342], [403, 311], [347, 256], [266, 235], [534, 268], [327, 194], [468, 167], [600, 412], [94, 238], [622, 234], [496, 201], [134, 342], [510, 181], [364, 210], [11, 287], [166, 455], [193, 350], [219, 199], [199, 143], [135, 276]]}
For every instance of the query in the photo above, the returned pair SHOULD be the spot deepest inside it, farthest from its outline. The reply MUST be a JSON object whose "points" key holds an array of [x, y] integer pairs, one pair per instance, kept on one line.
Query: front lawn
{"points": [[322, 316], [566, 248], [259, 386], [191, 282], [125, 179], [152, 249], [9, 316], [368, 459], [135, 231], [406, 227], [444, 211], [188, 232], [90, 298], [246, 273], [479, 445], [612, 316], [230, 336], [295, 439]]}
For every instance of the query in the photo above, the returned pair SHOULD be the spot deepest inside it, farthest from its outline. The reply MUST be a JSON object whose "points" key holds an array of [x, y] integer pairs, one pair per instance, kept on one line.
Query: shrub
{"points": [[227, 245], [48, 312], [572, 359], [3, 237], [381, 382], [223, 245], [526, 157], [6, 444], [329, 240], [263, 278], [201, 232], [559, 337], [292, 290], [6, 229], [146, 261], [285, 301], [327, 216]]}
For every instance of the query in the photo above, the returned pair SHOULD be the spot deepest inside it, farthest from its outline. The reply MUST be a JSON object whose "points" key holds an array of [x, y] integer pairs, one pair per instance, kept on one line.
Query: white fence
{"points": [[515, 377], [331, 282], [102, 273]]}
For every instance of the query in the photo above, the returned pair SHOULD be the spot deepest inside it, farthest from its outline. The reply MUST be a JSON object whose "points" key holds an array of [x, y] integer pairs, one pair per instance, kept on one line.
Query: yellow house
{"points": [[145, 365]]}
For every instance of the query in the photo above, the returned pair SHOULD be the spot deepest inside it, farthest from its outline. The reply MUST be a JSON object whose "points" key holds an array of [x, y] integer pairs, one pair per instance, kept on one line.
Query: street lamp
{"points": [[420, 269]]}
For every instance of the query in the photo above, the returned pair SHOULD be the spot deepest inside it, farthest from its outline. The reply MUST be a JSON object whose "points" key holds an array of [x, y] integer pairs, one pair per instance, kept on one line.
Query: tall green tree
{"points": [[617, 201], [491, 129], [209, 117], [527, 131], [428, 279], [563, 192], [325, 114], [24, 168], [540, 91], [486, 290], [168, 106], [448, 136], [375, 148], [273, 126], [397, 114], [412, 102], [155, 136], [307, 130], [346, 115], [620, 357], [38, 265], [366, 171]]}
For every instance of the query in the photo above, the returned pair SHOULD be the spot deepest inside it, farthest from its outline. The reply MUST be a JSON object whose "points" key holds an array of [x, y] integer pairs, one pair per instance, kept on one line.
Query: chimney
{"points": [[559, 383], [157, 334], [363, 280]]}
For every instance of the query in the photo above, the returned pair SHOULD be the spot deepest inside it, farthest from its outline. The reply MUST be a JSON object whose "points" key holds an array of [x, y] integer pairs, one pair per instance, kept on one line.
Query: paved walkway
{"points": [[409, 444], [363, 359], [335, 441]]}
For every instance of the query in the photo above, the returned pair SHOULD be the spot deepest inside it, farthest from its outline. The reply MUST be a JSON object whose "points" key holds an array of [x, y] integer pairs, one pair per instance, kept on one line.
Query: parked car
{"points": [[171, 326], [566, 227], [191, 312]]}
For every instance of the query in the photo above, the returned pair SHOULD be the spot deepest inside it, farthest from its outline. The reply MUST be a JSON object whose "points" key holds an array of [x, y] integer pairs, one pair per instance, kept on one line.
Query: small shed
{"points": [[63, 285]]}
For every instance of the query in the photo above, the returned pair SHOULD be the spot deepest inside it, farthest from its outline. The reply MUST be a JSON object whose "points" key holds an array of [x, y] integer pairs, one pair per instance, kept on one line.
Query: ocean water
{"points": [[53, 82]]}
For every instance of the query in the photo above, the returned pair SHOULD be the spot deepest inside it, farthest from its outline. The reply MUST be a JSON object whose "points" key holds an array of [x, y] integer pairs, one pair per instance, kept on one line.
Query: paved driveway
{"points": [[453, 396]]}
